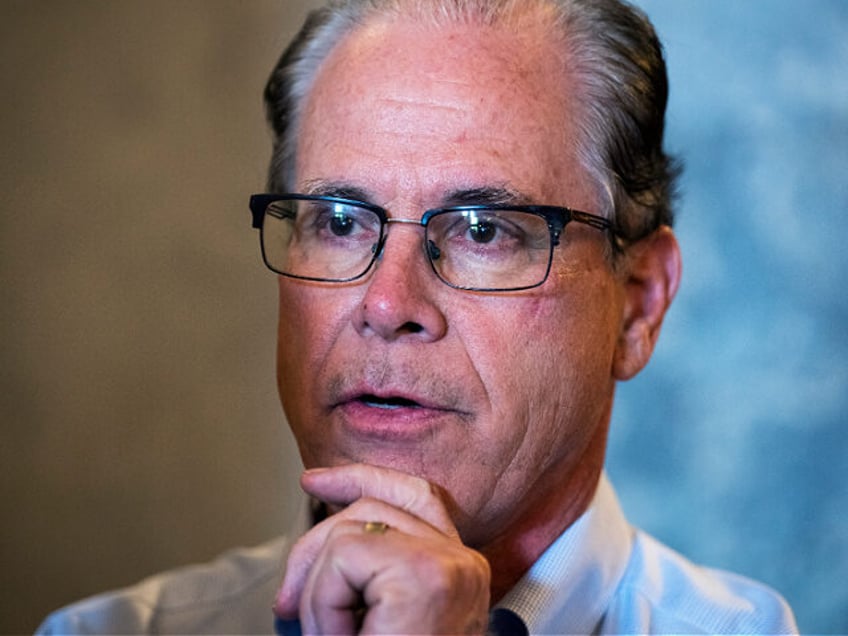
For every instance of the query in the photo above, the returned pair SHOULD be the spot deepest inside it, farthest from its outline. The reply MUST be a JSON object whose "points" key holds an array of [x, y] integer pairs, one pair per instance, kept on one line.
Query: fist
{"points": [[389, 562]]}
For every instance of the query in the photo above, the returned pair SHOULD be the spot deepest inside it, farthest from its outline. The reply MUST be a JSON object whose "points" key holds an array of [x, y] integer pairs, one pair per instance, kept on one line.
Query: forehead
{"points": [[399, 100]]}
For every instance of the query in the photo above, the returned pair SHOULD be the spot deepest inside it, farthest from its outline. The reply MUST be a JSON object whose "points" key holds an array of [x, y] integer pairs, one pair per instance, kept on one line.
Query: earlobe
{"points": [[652, 279]]}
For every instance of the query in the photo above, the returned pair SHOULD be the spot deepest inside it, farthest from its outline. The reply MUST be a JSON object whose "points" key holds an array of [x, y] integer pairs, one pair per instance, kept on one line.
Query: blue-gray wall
{"points": [[732, 446]]}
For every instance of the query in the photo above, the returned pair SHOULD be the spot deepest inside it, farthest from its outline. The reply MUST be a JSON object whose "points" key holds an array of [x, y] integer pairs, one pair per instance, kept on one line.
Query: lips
{"points": [[391, 402], [392, 415], [387, 403]]}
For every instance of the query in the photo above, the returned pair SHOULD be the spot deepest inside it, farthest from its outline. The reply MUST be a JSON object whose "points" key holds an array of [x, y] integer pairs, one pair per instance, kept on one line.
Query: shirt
{"points": [[601, 576]]}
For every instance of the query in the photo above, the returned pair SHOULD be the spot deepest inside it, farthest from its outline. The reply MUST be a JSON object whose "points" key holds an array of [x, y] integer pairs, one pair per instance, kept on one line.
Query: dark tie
{"points": [[286, 628], [502, 622]]}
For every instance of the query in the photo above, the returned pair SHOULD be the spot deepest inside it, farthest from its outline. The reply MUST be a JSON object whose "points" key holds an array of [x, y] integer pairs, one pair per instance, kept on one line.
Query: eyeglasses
{"points": [[487, 248]]}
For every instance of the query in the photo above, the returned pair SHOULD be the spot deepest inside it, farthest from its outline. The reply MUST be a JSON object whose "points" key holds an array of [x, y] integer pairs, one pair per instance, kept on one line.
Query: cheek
{"points": [[308, 324], [551, 351], [292, 320]]}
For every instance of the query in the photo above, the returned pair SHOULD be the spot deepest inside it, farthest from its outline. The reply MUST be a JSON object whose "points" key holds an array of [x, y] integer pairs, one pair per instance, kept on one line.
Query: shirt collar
{"points": [[569, 587]]}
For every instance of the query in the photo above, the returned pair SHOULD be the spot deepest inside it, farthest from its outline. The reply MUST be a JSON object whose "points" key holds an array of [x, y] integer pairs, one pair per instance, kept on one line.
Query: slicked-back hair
{"points": [[613, 54]]}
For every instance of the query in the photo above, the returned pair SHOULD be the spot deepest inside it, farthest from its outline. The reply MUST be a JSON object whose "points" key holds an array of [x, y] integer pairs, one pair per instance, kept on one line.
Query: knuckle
{"points": [[304, 549], [420, 494], [457, 569], [343, 532]]}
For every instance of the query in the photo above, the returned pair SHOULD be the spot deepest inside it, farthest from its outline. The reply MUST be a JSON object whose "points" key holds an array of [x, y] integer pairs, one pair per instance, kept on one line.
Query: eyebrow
{"points": [[486, 195], [482, 195], [339, 190]]}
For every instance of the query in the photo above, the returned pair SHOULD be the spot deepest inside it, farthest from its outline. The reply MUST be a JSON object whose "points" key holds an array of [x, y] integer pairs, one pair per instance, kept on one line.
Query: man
{"points": [[478, 249]]}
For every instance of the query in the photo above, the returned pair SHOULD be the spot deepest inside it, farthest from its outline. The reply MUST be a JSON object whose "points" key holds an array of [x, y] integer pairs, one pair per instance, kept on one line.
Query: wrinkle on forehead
{"points": [[396, 113], [400, 103], [398, 106]]}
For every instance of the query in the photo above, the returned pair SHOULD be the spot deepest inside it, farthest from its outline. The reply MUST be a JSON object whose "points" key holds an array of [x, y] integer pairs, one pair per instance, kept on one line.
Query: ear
{"points": [[651, 281]]}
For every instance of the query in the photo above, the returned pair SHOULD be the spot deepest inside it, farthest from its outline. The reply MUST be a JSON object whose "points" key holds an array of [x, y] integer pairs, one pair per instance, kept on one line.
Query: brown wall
{"points": [[140, 427]]}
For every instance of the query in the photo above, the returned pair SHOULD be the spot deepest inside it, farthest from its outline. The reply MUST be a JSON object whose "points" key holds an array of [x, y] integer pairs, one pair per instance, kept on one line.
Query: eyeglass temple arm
{"points": [[594, 220]]}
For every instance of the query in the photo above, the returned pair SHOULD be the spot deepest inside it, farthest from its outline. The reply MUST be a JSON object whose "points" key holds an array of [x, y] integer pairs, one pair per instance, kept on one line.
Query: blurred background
{"points": [[140, 427]]}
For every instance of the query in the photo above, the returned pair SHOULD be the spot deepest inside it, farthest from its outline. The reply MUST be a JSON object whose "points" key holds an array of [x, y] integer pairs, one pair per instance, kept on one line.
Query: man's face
{"points": [[498, 398]]}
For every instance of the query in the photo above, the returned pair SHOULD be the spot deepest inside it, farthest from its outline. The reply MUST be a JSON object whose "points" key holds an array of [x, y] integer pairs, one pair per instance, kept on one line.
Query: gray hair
{"points": [[619, 65]]}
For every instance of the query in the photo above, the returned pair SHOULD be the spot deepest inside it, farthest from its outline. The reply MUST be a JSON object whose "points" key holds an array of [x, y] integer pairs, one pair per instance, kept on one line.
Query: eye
{"points": [[341, 224], [476, 228], [482, 232], [338, 224], [332, 220], [493, 229], [490, 232]]}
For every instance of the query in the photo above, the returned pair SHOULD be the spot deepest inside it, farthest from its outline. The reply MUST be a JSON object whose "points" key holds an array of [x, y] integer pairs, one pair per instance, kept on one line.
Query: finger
{"points": [[331, 601], [342, 485], [408, 503], [404, 583], [306, 551]]}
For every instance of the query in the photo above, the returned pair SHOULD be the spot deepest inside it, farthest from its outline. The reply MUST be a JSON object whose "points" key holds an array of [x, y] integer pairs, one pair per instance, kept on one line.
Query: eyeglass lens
{"points": [[469, 249]]}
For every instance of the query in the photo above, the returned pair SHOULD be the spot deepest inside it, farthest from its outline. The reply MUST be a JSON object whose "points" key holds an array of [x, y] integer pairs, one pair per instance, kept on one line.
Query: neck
{"points": [[512, 553]]}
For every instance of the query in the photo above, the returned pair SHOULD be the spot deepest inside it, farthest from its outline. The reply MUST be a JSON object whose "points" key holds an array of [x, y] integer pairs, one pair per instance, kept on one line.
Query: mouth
{"points": [[392, 416], [387, 399], [387, 403]]}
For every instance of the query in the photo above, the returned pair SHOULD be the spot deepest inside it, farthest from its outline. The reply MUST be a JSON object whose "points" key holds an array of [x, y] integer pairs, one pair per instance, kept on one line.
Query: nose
{"points": [[400, 301]]}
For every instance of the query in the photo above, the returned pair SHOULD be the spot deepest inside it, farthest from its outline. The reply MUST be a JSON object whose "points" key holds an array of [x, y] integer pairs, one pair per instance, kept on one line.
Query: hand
{"points": [[416, 577]]}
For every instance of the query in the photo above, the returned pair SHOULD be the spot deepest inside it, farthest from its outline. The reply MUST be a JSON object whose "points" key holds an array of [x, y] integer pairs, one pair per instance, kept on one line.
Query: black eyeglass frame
{"points": [[556, 217]]}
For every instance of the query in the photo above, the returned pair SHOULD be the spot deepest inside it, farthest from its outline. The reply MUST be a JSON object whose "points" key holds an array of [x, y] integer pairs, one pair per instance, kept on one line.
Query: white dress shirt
{"points": [[601, 576]]}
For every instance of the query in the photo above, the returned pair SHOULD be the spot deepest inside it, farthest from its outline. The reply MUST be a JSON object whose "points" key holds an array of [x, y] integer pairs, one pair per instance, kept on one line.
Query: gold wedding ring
{"points": [[375, 527]]}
